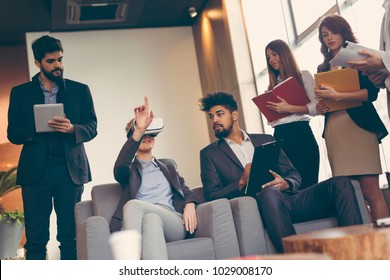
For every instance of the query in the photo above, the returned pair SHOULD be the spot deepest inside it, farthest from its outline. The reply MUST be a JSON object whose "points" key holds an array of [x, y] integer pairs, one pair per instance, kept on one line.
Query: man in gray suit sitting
{"points": [[155, 200], [226, 163]]}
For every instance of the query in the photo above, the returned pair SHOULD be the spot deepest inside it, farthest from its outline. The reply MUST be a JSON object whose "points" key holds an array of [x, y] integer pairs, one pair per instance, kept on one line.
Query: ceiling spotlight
{"points": [[192, 11]]}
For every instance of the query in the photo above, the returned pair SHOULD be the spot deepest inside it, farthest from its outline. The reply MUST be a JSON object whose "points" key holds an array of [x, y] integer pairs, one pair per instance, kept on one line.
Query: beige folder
{"points": [[343, 80]]}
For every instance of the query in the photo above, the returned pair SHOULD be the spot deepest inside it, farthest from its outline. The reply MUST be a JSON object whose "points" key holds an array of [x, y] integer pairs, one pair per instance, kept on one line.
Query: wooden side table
{"points": [[293, 256], [359, 242]]}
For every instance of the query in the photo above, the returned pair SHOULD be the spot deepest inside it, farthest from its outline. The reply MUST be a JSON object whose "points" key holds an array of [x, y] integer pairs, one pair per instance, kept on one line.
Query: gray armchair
{"points": [[215, 237], [253, 238]]}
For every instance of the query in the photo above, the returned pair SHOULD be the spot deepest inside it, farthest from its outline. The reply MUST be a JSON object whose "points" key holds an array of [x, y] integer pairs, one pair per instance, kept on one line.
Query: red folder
{"points": [[290, 90], [261, 102]]}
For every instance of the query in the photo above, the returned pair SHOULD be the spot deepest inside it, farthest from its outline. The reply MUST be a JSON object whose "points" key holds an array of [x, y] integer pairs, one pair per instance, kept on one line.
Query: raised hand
{"points": [[143, 118]]}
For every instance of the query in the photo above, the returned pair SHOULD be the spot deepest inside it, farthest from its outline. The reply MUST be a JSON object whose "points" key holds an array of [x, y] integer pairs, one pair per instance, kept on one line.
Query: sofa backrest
{"points": [[105, 199]]}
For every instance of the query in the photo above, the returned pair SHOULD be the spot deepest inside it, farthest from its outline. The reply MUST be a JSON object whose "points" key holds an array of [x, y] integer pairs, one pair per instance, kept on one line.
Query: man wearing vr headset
{"points": [[155, 199]]}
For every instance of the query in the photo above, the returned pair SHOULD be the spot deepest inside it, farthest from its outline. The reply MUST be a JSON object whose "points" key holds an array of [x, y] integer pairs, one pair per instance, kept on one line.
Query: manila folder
{"points": [[343, 80]]}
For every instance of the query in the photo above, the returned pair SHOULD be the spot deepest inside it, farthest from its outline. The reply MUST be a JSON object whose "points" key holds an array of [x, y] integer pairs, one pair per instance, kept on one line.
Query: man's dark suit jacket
{"points": [[221, 169], [128, 173], [79, 109]]}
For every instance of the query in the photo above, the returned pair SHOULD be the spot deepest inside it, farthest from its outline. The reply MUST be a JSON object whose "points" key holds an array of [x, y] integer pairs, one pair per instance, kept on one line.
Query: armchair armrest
{"points": [[95, 232], [215, 220], [92, 233], [249, 226], [82, 211]]}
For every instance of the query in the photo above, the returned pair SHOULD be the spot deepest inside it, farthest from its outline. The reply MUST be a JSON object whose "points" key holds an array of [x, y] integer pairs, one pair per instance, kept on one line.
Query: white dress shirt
{"points": [[244, 151], [155, 187]]}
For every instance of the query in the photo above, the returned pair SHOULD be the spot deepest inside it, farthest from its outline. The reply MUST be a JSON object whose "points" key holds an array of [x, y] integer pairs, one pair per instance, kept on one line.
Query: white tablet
{"points": [[45, 112], [350, 51]]}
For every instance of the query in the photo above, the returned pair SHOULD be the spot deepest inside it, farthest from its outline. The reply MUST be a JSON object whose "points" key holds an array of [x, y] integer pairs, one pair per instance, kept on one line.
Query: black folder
{"points": [[265, 158]]}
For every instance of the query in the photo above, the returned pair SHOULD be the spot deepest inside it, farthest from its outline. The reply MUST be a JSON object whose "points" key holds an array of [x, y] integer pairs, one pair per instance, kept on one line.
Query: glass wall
{"points": [[287, 20], [304, 22]]}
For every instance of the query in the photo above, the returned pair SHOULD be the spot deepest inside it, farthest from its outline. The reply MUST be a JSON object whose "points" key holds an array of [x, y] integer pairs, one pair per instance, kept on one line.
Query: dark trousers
{"points": [[300, 146], [333, 197], [55, 187]]}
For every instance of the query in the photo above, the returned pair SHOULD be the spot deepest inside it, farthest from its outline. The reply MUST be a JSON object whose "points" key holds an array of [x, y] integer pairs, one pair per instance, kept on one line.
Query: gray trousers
{"points": [[157, 225]]}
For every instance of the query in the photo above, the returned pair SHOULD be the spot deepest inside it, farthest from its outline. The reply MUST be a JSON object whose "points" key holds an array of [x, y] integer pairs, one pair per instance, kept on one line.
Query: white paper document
{"points": [[350, 51]]}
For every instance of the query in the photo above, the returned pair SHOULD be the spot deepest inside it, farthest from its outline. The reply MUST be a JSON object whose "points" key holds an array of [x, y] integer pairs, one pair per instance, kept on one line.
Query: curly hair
{"points": [[224, 99], [337, 25]]}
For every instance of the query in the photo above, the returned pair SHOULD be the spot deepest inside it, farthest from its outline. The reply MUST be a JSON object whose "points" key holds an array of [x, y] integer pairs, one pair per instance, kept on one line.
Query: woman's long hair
{"points": [[337, 25], [288, 67]]}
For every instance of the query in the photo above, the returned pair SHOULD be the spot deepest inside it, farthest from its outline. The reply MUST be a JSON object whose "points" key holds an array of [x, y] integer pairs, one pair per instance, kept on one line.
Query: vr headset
{"points": [[155, 127]]}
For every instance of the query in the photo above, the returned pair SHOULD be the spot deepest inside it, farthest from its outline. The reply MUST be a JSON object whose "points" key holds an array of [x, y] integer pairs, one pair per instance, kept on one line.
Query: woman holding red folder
{"points": [[352, 135], [299, 142]]}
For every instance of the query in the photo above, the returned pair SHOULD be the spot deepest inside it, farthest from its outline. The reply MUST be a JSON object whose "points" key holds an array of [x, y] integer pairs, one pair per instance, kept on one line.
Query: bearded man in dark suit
{"points": [[53, 166], [225, 167]]}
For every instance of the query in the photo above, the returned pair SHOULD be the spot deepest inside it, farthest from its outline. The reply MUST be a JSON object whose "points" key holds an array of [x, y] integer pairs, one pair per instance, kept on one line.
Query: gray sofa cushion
{"points": [[215, 219], [192, 249], [215, 237]]}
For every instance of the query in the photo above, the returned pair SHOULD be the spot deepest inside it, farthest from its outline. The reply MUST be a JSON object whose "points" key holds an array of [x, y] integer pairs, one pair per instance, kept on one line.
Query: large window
{"points": [[264, 23], [306, 15], [296, 22]]}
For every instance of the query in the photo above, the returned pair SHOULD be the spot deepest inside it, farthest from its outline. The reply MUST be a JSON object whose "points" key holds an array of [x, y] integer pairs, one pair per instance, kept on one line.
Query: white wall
{"points": [[121, 67]]}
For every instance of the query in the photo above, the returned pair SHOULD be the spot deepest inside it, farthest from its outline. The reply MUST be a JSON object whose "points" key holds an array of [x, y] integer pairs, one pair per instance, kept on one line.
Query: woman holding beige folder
{"points": [[352, 135]]}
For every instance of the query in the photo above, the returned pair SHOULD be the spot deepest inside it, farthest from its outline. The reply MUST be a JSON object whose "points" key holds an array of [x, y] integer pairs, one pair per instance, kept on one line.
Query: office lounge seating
{"points": [[253, 238], [215, 237], [226, 229]]}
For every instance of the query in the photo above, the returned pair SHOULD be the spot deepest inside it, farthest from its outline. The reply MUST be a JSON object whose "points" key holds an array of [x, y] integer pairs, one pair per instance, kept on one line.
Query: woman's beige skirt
{"points": [[351, 149]]}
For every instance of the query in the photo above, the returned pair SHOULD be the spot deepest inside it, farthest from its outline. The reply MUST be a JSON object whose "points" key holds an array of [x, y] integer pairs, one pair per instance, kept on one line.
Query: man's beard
{"points": [[224, 132], [52, 77]]}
